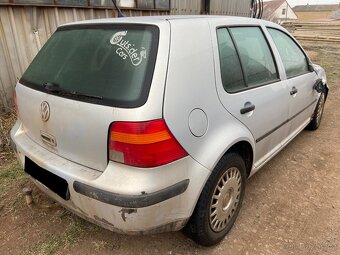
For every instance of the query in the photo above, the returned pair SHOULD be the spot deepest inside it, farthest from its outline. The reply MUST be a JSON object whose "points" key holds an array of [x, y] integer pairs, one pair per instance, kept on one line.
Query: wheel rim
{"points": [[225, 199], [320, 108]]}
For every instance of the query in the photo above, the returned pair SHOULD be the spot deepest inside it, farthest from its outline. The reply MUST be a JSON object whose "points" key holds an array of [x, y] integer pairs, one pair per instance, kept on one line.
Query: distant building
{"points": [[278, 11], [315, 12]]}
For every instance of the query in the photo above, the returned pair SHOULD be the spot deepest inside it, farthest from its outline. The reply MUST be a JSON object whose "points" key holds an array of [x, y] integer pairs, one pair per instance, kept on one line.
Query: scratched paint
{"points": [[125, 211]]}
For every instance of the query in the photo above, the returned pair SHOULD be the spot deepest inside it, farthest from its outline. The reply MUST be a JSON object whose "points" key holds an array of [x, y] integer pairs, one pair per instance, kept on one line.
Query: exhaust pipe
{"points": [[30, 201], [28, 197]]}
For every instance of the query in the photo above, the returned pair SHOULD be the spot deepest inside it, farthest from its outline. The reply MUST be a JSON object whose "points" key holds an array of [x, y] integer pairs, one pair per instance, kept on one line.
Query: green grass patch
{"points": [[11, 172], [11, 176]]}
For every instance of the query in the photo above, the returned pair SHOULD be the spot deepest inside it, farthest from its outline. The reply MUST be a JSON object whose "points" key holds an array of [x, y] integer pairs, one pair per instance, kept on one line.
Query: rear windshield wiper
{"points": [[78, 94], [52, 87], [56, 89]]}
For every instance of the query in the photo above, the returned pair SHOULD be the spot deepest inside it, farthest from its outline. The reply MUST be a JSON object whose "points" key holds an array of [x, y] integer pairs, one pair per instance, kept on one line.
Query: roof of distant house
{"points": [[316, 7], [270, 7]]}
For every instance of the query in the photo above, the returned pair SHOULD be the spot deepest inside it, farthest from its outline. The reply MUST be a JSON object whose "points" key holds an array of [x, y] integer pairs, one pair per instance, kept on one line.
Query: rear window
{"points": [[113, 63]]}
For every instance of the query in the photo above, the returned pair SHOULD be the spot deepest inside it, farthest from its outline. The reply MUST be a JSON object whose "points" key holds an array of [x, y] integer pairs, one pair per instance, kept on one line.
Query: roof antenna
{"points": [[120, 14]]}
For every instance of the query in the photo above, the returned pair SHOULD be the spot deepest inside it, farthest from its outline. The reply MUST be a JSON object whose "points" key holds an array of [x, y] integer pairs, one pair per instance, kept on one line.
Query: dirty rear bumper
{"points": [[123, 199], [134, 201]]}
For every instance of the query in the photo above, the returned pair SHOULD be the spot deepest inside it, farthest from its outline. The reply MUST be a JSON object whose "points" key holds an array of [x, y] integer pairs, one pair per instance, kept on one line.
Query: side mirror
{"points": [[319, 87], [310, 66]]}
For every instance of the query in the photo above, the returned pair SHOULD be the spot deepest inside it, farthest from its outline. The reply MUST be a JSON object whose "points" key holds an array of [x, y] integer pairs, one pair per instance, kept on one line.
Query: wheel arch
{"points": [[244, 145], [326, 89], [245, 150]]}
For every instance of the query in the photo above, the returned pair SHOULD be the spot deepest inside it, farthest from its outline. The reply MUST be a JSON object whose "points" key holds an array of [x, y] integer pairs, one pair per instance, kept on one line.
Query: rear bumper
{"points": [[134, 201], [123, 199]]}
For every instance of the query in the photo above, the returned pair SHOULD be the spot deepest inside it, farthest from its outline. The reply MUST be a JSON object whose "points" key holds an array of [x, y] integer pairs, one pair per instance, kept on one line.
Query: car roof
{"points": [[184, 18]]}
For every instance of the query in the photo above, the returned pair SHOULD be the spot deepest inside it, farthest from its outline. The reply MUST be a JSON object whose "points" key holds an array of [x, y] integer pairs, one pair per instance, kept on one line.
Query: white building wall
{"points": [[279, 17]]}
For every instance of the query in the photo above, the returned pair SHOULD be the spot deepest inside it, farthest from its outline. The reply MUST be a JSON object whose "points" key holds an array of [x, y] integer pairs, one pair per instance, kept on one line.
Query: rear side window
{"points": [[294, 60], [231, 71], [256, 58], [115, 63]]}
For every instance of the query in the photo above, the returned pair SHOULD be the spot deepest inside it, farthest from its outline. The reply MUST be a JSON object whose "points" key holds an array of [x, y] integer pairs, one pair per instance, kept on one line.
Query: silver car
{"points": [[151, 124]]}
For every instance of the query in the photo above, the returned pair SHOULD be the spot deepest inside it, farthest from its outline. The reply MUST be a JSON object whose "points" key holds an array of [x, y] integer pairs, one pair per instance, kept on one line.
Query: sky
{"points": [[301, 2]]}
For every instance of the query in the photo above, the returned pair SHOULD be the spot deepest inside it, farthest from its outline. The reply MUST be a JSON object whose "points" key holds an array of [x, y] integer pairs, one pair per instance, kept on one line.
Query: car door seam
{"points": [[283, 123]]}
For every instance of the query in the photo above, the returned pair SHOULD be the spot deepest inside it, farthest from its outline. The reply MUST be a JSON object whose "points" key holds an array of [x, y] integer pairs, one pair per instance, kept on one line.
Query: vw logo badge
{"points": [[45, 111]]}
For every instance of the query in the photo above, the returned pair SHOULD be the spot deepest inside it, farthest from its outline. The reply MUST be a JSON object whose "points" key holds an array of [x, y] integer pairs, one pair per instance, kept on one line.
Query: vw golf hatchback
{"points": [[151, 124]]}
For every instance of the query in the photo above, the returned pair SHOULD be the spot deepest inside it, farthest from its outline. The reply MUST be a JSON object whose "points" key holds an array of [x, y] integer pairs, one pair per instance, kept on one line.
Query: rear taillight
{"points": [[143, 144], [15, 102]]}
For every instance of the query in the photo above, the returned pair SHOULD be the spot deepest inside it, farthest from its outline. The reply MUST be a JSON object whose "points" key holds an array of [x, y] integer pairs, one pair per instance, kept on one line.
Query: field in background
{"points": [[324, 31]]}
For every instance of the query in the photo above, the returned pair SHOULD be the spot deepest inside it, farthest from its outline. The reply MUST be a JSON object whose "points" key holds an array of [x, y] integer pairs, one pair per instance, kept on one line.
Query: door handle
{"points": [[248, 107], [293, 91]]}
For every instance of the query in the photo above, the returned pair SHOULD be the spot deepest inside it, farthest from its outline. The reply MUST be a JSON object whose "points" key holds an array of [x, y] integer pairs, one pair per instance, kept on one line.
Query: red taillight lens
{"points": [[15, 102], [143, 144]]}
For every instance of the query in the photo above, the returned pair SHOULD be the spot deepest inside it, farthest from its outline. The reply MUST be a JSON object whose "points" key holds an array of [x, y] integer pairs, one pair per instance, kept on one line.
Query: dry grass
{"points": [[58, 242], [312, 54], [7, 121]]}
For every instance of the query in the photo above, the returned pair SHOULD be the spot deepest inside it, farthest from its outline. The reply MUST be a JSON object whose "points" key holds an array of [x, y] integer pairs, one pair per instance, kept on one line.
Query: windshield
{"points": [[113, 63]]}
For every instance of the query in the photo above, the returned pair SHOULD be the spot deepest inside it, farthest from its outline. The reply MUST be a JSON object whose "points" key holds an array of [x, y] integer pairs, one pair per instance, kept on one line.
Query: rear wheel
{"points": [[219, 202], [317, 115]]}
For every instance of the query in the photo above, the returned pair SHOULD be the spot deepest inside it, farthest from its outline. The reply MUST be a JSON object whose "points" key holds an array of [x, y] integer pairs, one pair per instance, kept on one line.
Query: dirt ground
{"points": [[291, 206]]}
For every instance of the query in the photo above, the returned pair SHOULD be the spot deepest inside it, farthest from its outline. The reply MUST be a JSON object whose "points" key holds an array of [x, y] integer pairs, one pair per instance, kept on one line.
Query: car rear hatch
{"points": [[86, 77]]}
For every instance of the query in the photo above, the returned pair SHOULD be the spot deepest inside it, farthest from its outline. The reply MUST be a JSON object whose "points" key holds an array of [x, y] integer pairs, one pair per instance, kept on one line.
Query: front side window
{"points": [[114, 63], [256, 58], [294, 60]]}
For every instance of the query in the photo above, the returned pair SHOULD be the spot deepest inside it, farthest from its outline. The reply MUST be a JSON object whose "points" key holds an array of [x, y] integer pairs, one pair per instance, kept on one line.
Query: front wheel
{"points": [[317, 115], [219, 202]]}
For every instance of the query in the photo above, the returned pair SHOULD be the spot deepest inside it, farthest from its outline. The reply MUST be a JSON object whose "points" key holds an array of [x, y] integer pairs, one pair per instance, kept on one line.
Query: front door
{"points": [[300, 80]]}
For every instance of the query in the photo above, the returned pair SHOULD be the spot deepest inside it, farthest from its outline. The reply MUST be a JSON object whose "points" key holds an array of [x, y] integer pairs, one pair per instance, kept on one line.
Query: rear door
{"points": [[249, 86], [300, 80]]}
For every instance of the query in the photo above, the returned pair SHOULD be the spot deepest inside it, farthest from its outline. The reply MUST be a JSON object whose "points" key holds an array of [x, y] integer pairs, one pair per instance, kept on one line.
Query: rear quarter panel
{"points": [[191, 85]]}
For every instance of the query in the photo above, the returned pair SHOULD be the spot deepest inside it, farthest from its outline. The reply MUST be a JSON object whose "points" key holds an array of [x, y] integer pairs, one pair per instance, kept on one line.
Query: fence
{"points": [[213, 7]]}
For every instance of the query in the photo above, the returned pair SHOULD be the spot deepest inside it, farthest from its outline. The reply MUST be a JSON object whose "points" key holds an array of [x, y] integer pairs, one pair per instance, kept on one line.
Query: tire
{"points": [[220, 201], [317, 115]]}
